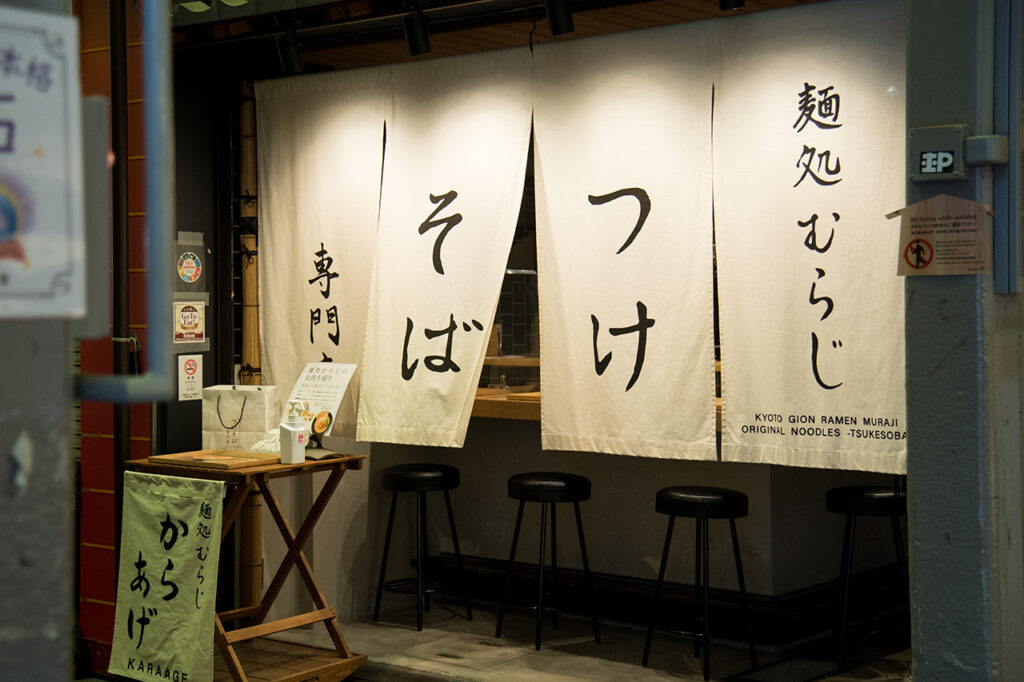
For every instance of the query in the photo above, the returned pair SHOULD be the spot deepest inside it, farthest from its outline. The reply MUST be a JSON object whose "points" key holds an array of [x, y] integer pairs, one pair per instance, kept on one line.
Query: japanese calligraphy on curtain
{"points": [[320, 142], [811, 312], [623, 154], [453, 179]]}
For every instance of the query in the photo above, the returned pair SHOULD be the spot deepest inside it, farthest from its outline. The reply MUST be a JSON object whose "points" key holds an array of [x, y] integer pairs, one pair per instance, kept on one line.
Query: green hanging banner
{"points": [[167, 578]]}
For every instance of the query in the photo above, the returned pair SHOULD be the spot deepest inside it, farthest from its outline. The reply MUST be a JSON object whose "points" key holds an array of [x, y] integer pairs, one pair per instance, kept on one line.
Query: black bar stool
{"points": [[860, 500], [701, 504], [420, 479], [548, 488]]}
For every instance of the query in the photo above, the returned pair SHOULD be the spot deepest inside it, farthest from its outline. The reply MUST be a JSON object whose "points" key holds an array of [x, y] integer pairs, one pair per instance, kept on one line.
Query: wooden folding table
{"points": [[250, 479]]}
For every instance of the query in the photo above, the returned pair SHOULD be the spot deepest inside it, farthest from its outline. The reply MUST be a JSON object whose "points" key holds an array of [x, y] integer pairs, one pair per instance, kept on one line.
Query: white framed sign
{"points": [[190, 377], [42, 247]]}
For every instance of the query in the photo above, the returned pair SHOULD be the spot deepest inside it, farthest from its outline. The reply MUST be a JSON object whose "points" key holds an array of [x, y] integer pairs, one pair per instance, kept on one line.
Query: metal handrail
{"points": [[157, 383]]}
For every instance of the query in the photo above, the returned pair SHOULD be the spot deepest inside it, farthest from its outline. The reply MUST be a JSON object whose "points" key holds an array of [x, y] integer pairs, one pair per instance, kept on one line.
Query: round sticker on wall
{"points": [[189, 267]]}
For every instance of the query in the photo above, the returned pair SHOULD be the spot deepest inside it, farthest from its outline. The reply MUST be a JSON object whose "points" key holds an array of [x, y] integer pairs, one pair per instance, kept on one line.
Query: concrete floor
{"points": [[452, 649]]}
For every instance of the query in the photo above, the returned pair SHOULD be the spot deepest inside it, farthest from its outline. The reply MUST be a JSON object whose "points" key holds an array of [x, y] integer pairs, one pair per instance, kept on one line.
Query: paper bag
{"points": [[235, 417]]}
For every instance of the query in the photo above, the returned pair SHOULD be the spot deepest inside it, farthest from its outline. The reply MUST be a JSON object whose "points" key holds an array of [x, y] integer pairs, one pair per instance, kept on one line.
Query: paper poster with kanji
{"points": [[42, 244], [167, 580]]}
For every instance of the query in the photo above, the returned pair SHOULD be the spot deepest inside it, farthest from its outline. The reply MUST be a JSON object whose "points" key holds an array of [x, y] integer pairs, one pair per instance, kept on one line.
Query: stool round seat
{"points": [[407, 478], [701, 502], [549, 487], [419, 478], [864, 500]]}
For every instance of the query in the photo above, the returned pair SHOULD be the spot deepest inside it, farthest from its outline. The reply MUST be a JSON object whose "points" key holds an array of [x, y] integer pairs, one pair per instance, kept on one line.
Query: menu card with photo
{"points": [[319, 391]]}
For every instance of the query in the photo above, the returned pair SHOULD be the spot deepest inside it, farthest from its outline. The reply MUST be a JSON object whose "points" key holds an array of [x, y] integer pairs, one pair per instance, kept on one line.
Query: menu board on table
{"points": [[319, 390]]}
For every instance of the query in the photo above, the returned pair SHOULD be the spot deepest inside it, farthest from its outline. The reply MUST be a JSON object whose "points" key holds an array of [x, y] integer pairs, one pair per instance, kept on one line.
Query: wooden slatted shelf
{"points": [[519, 406], [512, 360]]}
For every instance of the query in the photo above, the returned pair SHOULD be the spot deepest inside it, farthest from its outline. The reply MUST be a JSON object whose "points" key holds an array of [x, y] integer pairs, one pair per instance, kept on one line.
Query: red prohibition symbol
{"points": [[918, 254], [190, 367]]}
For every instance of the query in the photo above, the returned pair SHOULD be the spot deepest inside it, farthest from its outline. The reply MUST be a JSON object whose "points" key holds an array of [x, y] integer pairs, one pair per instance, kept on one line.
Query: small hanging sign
{"points": [[944, 235]]}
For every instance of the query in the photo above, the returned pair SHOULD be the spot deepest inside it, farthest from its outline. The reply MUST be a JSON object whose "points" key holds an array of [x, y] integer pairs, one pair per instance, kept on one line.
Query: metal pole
{"points": [[119, 228]]}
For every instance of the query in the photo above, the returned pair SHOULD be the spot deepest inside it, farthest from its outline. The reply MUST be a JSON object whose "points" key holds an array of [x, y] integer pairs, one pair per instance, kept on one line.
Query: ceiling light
{"points": [[289, 54], [559, 17], [197, 5], [416, 35]]}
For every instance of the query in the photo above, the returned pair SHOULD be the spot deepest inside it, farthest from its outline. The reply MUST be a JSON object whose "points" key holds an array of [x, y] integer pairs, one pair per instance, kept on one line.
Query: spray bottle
{"points": [[294, 437]]}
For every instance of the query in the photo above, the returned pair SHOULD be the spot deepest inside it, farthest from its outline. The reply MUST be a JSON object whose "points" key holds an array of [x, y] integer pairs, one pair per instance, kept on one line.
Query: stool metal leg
{"points": [[554, 566], [540, 574], [696, 584], [458, 555], [743, 592], [420, 532], [508, 574], [426, 551], [384, 559], [586, 572], [707, 599], [657, 590], [844, 586]]}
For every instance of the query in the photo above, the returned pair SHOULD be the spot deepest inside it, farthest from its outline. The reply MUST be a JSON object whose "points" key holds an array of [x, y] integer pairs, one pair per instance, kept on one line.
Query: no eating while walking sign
{"points": [[944, 235]]}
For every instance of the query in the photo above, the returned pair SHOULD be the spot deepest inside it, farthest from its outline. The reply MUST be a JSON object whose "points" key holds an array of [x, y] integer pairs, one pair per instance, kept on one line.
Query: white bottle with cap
{"points": [[294, 436]]}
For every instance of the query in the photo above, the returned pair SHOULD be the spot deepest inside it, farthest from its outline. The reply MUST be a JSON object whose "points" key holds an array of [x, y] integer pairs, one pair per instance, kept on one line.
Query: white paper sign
{"points": [[320, 388], [190, 377], [41, 225]]}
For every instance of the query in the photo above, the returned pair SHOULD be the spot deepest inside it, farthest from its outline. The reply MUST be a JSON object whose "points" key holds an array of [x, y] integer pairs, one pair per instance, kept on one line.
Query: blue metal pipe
{"points": [[157, 383]]}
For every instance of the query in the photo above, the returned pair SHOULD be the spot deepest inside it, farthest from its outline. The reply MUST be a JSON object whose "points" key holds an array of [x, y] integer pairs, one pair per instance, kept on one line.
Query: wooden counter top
{"points": [[500, 407]]}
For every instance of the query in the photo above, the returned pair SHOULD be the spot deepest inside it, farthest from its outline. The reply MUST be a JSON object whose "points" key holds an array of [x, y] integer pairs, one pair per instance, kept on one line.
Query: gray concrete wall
{"points": [[963, 400], [36, 499]]}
